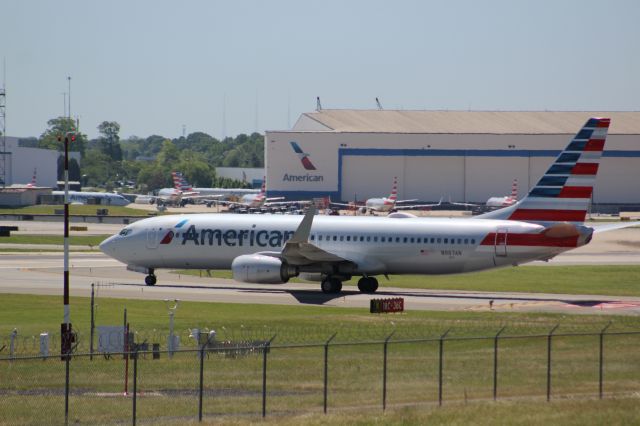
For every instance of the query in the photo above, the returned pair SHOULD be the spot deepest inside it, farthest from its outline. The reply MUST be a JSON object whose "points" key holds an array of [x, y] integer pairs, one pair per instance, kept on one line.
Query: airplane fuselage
{"points": [[375, 245]]}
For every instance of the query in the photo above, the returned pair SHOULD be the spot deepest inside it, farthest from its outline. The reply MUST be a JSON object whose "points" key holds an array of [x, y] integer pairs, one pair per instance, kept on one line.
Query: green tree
{"points": [[58, 128], [109, 140]]}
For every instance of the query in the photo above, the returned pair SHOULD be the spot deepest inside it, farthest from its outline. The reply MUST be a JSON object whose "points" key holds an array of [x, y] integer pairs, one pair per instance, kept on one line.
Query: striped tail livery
{"points": [[564, 192]]}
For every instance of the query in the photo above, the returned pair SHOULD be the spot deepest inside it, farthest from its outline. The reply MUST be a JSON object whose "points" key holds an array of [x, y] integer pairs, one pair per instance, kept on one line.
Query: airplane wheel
{"points": [[368, 284], [150, 280], [331, 285]]}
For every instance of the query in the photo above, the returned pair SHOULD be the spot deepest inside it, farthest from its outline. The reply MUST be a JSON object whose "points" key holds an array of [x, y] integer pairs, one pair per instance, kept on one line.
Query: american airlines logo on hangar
{"points": [[306, 163]]}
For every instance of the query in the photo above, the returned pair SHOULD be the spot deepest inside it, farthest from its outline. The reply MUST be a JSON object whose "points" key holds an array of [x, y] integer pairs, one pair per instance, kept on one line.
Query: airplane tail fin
{"points": [[564, 192], [32, 184], [180, 183], [394, 191]]}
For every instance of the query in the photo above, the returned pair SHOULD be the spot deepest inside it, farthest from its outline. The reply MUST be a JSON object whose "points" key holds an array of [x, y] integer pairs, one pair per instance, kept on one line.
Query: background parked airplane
{"points": [[331, 249], [387, 204]]}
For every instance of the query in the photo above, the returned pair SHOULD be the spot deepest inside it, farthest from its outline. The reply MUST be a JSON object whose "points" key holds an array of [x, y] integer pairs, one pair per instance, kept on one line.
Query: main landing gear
{"points": [[368, 284], [151, 278], [331, 285], [334, 285]]}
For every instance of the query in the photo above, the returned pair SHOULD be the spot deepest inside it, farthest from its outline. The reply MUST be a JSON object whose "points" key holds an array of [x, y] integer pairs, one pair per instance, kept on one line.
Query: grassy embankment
{"points": [[614, 280], [295, 375]]}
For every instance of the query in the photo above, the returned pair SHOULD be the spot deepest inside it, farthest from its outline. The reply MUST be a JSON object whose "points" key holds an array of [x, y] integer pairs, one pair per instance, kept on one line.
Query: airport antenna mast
{"points": [[318, 104], [3, 126]]}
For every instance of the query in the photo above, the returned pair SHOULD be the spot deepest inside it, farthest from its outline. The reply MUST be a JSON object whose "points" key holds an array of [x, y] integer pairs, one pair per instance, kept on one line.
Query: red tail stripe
{"points": [[576, 192], [604, 122], [549, 215], [585, 169], [531, 240], [594, 145]]}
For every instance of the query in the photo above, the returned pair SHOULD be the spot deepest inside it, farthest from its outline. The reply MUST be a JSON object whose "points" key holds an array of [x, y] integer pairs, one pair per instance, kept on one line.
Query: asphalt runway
{"points": [[41, 273]]}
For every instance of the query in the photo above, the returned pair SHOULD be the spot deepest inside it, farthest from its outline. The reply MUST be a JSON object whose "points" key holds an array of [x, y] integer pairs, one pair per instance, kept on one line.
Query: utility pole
{"points": [[3, 127]]}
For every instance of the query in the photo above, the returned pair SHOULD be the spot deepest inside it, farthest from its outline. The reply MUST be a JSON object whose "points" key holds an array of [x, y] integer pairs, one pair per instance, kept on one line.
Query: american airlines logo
{"points": [[306, 163], [304, 157]]}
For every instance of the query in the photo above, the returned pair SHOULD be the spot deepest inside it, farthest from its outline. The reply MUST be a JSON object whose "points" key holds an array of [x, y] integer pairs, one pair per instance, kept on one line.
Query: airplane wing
{"points": [[299, 251], [606, 227], [284, 203], [407, 201], [417, 206]]}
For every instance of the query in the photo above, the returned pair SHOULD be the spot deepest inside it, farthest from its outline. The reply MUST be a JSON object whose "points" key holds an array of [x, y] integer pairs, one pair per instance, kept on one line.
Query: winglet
{"points": [[304, 229]]}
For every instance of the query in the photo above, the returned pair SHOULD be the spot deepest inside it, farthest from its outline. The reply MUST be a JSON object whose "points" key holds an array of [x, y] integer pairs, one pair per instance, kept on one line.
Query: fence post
{"points": [[495, 363], [135, 382], [326, 368], [204, 345], [600, 377], [384, 372], [92, 326], [549, 361], [265, 350], [440, 359]]}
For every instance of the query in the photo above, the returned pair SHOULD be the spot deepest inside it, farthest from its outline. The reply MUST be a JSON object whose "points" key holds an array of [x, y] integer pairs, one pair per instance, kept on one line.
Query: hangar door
{"points": [[426, 178]]}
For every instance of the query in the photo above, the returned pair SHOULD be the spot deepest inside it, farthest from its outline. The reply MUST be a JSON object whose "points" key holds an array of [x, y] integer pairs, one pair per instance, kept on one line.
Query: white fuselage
{"points": [[105, 198], [383, 204], [376, 245]]}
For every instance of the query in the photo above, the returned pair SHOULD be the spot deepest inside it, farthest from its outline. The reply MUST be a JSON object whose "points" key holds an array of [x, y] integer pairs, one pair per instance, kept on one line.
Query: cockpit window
{"points": [[125, 232]]}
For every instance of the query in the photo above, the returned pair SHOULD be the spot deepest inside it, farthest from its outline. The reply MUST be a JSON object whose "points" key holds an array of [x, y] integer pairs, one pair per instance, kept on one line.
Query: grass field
{"points": [[617, 280], [85, 240], [295, 381], [76, 209]]}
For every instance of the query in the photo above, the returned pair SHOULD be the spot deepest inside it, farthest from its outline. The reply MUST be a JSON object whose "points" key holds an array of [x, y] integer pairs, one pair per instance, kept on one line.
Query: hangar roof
{"points": [[478, 122]]}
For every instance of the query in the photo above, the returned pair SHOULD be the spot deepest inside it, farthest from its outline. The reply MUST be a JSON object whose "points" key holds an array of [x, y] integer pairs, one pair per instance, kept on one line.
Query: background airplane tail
{"points": [[564, 192], [394, 191]]}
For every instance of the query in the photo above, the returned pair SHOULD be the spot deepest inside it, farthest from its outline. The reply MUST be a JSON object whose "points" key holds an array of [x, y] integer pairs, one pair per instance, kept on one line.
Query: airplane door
{"points": [[501, 242], [152, 238]]}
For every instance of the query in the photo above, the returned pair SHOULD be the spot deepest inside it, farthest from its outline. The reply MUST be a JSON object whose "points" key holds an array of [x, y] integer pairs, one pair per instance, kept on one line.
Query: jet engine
{"points": [[260, 269]]}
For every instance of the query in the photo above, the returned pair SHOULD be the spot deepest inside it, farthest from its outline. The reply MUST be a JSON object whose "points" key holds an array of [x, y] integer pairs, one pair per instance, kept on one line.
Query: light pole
{"points": [[172, 306]]}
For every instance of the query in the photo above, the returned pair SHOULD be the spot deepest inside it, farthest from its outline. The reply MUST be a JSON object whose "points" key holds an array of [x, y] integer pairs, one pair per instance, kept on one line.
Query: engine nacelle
{"points": [[260, 269]]}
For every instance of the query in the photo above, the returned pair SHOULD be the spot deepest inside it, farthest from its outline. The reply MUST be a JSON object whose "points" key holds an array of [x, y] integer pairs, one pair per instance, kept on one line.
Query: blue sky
{"points": [[154, 66]]}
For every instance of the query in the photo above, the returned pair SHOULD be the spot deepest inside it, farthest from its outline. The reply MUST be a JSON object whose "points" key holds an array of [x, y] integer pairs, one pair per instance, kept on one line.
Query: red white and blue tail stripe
{"points": [[564, 192]]}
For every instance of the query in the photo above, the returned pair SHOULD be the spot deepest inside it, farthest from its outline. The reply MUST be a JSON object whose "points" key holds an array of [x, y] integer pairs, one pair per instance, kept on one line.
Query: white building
{"points": [[465, 155], [21, 162]]}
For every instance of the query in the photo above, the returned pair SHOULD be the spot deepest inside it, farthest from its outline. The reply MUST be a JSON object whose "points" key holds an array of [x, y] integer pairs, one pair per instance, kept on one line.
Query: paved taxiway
{"points": [[41, 273]]}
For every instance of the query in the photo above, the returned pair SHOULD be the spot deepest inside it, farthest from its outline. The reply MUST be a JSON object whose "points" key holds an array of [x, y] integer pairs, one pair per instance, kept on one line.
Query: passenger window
{"points": [[368, 238], [319, 237], [341, 237], [418, 240], [397, 239], [446, 240], [439, 240], [453, 241], [348, 237], [313, 237], [375, 239], [361, 238], [433, 240], [335, 238], [459, 240], [412, 239], [466, 241], [473, 241]]}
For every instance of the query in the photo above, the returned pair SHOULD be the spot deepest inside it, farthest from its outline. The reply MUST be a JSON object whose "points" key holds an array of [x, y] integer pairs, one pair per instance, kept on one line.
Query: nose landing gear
{"points": [[151, 278]]}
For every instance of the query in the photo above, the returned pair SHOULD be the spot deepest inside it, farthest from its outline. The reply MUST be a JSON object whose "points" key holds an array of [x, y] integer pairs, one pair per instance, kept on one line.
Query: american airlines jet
{"points": [[387, 204], [332, 249]]}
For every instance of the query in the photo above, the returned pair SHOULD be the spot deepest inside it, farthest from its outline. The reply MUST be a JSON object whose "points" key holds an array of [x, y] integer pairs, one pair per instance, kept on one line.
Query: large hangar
{"points": [[466, 156]]}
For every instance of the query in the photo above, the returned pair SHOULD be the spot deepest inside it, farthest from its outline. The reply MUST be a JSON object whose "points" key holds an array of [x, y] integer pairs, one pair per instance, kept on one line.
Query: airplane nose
{"points": [[108, 246]]}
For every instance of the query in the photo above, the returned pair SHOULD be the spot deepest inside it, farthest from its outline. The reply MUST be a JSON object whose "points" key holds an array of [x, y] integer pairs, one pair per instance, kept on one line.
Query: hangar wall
{"points": [[464, 167]]}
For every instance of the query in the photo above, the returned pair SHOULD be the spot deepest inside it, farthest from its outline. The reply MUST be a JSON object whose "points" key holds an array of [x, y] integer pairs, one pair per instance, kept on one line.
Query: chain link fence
{"points": [[254, 375]]}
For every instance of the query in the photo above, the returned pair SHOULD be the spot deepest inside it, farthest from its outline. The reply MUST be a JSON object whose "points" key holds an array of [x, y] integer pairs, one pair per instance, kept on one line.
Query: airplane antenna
{"points": [[379, 104], [318, 104], [224, 116]]}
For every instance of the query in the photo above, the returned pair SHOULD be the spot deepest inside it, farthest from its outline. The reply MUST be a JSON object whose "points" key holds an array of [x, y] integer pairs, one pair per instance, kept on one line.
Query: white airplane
{"points": [[507, 200], [181, 192], [104, 198], [260, 200], [387, 204], [496, 202], [331, 249]]}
